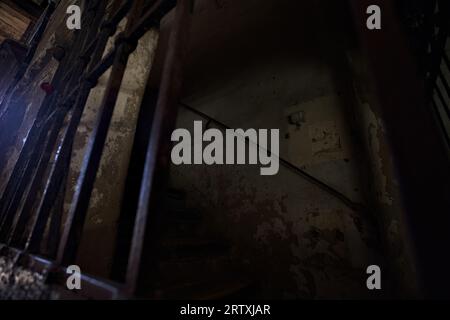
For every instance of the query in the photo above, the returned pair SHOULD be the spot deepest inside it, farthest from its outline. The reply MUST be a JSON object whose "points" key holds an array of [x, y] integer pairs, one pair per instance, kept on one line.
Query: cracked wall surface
{"points": [[386, 198], [293, 237]]}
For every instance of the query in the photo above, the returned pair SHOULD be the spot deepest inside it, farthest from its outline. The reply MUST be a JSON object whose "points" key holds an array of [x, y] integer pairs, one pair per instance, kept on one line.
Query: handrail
{"points": [[335, 193]]}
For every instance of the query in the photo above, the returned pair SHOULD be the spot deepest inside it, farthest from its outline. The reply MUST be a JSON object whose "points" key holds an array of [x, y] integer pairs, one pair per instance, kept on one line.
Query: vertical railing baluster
{"points": [[133, 181], [157, 157], [34, 169], [36, 135], [75, 220], [61, 163], [22, 207]]}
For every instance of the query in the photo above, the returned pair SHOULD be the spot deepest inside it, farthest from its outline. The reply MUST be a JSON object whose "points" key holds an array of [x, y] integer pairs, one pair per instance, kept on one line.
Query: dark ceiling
{"points": [[18, 16]]}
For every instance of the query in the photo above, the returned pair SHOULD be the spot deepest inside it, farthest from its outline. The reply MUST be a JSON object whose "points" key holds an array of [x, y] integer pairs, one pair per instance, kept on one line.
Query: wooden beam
{"points": [[28, 9], [13, 23]]}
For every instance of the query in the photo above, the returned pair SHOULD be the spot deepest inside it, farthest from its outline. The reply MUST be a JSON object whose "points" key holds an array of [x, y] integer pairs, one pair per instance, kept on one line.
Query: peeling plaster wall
{"points": [[293, 237], [381, 177]]}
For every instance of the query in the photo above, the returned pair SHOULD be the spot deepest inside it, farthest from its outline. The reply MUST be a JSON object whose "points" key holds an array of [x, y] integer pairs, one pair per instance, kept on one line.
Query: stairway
{"points": [[192, 263]]}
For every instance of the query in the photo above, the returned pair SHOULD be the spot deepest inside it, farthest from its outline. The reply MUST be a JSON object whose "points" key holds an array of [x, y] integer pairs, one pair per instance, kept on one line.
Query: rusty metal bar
{"points": [[158, 153], [57, 170], [39, 146], [134, 174], [35, 136], [60, 165], [35, 167], [62, 158], [132, 185], [75, 220], [119, 10], [150, 19]]}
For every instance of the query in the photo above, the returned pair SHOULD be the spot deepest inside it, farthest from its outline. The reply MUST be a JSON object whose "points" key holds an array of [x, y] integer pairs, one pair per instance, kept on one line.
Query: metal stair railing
{"points": [[44, 159]]}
